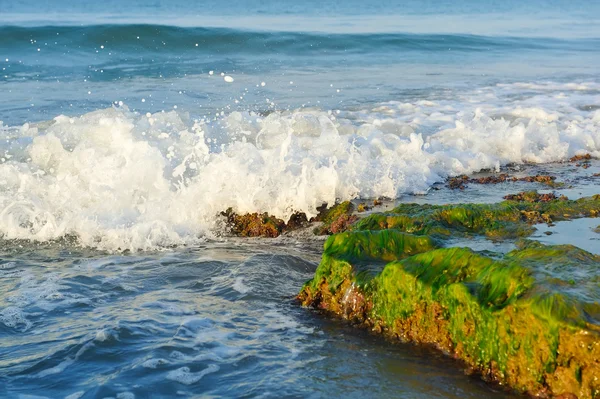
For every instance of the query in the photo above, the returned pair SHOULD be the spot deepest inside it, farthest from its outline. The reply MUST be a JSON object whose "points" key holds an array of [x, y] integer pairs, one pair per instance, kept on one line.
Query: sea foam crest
{"points": [[120, 180]]}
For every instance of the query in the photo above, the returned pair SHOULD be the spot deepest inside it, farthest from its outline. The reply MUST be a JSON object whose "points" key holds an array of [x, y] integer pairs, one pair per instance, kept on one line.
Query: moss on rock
{"points": [[336, 219], [508, 219], [253, 224], [460, 182], [529, 319]]}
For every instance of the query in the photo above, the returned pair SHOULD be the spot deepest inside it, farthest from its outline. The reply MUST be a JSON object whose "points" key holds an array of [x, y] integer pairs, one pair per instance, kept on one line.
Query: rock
{"points": [[253, 224], [362, 207], [584, 157], [460, 182], [533, 196], [529, 319], [335, 219], [297, 221]]}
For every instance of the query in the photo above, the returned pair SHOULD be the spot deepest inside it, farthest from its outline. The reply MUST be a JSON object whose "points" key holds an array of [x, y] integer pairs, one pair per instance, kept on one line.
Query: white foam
{"points": [[14, 317], [59, 368], [170, 308], [240, 287], [154, 363], [105, 335], [177, 355], [183, 375], [552, 86], [8, 265], [33, 292], [121, 180], [44, 291], [62, 366]]}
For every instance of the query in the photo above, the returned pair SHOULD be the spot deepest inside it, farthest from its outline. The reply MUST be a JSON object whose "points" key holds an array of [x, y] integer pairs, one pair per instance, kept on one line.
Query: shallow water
{"points": [[216, 320], [127, 127], [583, 233]]}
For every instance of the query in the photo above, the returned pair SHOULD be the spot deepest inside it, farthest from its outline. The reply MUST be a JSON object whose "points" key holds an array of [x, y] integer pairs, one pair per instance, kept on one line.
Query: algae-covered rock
{"points": [[508, 219], [528, 319], [336, 219], [533, 196], [253, 224], [460, 182], [581, 157]]}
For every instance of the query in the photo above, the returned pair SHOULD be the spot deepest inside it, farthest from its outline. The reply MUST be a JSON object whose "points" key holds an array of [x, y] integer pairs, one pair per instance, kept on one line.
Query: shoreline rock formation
{"points": [[528, 319]]}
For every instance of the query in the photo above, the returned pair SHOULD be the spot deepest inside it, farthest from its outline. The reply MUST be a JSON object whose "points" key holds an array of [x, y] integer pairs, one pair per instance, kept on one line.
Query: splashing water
{"points": [[118, 179]]}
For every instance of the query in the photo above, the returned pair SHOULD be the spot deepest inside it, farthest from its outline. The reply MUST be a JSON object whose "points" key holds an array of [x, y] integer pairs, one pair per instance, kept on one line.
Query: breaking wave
{"points": [[118, 179], [166, 38]]}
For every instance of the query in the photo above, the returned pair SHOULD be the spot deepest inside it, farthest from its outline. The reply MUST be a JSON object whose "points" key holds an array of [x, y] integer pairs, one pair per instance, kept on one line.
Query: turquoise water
{"points": [[127, 127], [59, 51]]}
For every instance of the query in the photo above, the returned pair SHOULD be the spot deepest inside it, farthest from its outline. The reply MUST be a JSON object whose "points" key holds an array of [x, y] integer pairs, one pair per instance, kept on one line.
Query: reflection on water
{"points": [[579, 232]]}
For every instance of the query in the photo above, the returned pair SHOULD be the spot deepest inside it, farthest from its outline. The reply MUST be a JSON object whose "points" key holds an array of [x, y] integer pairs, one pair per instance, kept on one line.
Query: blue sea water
{"points": [[73, 57], [128, 126]]}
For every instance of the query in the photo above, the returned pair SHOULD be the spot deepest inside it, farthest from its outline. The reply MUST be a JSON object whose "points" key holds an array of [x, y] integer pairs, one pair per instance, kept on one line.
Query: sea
{"points": [[127, 127]]}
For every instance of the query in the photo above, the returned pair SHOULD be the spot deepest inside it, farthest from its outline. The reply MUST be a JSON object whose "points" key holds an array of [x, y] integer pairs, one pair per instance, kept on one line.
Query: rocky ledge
{"points": [[528, 319]]}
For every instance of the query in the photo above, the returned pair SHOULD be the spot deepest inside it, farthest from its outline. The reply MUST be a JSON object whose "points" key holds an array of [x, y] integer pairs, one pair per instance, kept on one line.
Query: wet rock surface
{"points": [[582, 161], [461, 182], [577, 158], [534, 196], [253, 224], [335, 219], [528, 319]]}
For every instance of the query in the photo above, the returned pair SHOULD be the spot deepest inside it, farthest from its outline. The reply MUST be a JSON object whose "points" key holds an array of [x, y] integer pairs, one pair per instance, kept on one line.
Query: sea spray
{"points": [[118, 179]]}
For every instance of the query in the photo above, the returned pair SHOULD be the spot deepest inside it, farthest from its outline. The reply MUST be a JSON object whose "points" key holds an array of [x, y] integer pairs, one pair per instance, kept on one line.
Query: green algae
{"points": [[335, 219], [565, 273], [384, 245], [505, 220], [529, 319], [347, 252]]}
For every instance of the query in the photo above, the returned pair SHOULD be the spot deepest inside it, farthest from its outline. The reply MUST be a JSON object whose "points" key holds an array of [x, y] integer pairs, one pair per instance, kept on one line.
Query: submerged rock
{"points": [[528, 319], [534, 196], [585, 160], [460, 182]]}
